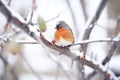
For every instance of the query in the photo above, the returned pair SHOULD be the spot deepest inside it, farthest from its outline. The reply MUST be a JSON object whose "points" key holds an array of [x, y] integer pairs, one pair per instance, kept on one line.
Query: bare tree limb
{"points": [[18, 21], [4, 61], [9, 2], [37, 75], [84, 9], [55, 16], [6, 70], [61, 67], [90, 25], [91, 75], [111, 52], [70, 7], [94, 41], [80, 75], [33, 8], [93, 20], [115, 44], [73, 16], [72, 55], [49, 19]]}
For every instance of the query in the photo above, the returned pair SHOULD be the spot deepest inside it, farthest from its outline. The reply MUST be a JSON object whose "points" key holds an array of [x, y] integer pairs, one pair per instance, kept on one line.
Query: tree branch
{"points": [[71, 11], [73, 16], [82, 42], [27, 62], [91, 75], [82, 2], [111, 52], [90, 25], [94, 41], [115, 44], [13, 17]]}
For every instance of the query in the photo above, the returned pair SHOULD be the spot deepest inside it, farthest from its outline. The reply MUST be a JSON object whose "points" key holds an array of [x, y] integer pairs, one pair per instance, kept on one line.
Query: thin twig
{"points": [[49, 19], [97, 25], [28, 43], [61, 67], [73, 17], [37, 75], [9, 74], [82, 2], [13, 17], [14, 74], [55, 16], [9, 2], [79, 64], [94, 41], [80, 75], [115, 44], [111, 52], [91, 75], [57, 72], [33, 5], [6, 27], [70, 7], [6, 64], [81, 42], [26, 14], [4, 61]]}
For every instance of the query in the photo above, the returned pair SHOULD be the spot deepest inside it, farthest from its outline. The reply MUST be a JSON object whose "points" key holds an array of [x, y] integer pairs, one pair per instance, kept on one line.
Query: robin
{"points": [[63, 35]]}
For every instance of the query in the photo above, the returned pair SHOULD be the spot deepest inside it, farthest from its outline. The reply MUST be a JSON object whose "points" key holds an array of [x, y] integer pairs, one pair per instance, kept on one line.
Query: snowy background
{"points": [[44, 61]]}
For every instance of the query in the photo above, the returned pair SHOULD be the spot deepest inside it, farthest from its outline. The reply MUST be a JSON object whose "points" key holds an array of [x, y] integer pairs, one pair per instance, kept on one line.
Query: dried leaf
{"points": [[6, 27], [14, 48], [41, 23]]}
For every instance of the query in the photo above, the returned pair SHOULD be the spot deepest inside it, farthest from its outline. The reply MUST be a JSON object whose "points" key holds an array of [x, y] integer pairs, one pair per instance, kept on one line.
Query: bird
{"points": [[63, 35]]}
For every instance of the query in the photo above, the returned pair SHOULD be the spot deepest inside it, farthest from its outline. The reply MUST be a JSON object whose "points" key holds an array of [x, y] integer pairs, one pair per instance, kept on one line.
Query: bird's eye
{"points": [[58, 26]]}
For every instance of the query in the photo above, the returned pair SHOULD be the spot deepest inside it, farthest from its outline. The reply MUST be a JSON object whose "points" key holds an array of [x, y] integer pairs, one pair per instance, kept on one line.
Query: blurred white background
{"points": [[44, 61]]}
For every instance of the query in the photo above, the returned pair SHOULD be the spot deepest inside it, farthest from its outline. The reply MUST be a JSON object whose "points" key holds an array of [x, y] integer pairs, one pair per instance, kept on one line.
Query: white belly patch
{"points": [[63, 42]]}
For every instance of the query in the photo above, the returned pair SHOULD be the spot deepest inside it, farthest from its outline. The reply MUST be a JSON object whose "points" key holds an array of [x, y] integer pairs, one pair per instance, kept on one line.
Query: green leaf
{"points": [[41, 23]]}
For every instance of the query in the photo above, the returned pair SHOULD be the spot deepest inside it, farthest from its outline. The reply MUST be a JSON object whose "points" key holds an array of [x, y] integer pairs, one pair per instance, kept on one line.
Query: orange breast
{"points": [[65, 34]]}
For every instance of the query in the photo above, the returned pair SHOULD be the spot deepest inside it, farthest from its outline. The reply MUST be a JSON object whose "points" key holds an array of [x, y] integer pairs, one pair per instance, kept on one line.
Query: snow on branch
{"points": [[13, 17], [99, 40]]}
